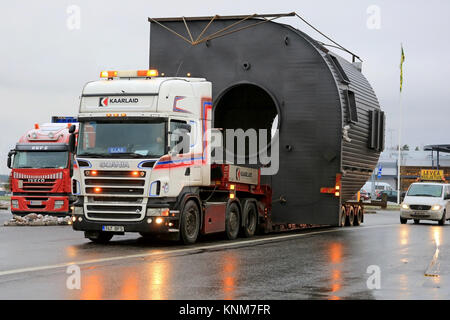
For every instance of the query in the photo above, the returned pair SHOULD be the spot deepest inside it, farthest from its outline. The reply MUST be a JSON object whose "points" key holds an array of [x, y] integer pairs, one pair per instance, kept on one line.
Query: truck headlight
{"points": [[15, 204], [59, 204], [405, 206], [152, 212], [436, 207], [78, 211]]}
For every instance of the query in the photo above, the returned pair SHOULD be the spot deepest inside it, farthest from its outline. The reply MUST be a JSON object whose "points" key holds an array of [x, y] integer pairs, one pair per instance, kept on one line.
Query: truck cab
{"points": [[141, 149], [41, 166]]}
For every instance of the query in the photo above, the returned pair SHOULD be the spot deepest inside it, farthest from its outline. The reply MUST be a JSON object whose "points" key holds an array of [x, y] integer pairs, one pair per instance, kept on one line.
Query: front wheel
{"points": [[190, 222], [403, 220], [232, 221], [416, 221], [442, 221]]}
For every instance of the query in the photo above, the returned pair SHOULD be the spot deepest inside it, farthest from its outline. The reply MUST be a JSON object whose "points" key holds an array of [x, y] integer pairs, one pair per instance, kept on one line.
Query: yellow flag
{"points": [[402, 59]]}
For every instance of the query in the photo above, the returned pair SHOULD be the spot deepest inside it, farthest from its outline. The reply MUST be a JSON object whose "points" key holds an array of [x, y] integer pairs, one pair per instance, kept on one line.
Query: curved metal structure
{"points": [[329, 118]]}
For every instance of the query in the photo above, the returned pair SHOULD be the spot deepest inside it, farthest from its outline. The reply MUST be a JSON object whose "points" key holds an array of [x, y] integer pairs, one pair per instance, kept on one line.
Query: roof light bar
{"points": [[129, 74]]}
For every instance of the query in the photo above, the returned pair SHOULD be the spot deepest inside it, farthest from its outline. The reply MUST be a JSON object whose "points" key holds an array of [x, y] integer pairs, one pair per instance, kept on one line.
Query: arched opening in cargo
{"points": [[247, 106]]}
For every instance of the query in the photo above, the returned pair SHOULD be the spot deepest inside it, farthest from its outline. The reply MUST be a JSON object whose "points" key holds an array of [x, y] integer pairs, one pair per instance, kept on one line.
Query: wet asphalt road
{"points": [[326, 263]]}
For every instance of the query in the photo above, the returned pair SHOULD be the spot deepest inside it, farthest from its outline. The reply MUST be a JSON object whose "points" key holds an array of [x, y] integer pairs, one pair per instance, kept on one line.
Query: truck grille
{"points": [[46, 186], [114, 196], [419, 207]]}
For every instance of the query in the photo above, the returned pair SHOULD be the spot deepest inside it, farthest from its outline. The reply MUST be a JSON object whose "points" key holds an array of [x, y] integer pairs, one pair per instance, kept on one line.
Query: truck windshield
{"points": [[121, 139], [40, 159], [425, 190]]}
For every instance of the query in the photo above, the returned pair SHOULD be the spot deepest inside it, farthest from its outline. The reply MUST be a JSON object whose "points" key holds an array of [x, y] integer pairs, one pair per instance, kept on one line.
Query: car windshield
{"points": [[425, 190], [122, 139], [40, 159]]}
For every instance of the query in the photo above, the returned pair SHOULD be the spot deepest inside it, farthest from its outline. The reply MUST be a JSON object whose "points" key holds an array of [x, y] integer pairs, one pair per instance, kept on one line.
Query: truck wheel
{"points": [[100, 237], [358, 216], [190, 222], [251, 218], [350, 217], [443, 219], [343, 217], [403, 220], [232, 221], [416, 221]]}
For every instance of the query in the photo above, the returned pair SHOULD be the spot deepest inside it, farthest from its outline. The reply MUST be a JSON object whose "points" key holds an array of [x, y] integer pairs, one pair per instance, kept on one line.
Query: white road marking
{"points": [[185, 250]]}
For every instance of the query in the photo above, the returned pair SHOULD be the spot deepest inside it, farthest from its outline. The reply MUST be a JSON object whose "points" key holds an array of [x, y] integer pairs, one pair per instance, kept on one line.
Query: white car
{"points": [[426, 201]]}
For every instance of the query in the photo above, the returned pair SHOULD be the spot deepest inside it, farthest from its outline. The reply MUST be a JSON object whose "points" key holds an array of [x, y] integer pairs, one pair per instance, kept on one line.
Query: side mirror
{"points": [[447, 197], [72, 142], [72, 128], [9, 161]]}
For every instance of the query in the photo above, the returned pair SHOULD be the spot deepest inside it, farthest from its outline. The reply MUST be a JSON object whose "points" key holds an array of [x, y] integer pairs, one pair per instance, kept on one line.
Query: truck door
{"points": [[183, 169]]}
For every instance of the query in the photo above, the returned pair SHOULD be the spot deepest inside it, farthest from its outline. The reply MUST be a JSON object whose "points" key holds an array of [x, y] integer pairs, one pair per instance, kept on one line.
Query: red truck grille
{"points": [[37, 183]]}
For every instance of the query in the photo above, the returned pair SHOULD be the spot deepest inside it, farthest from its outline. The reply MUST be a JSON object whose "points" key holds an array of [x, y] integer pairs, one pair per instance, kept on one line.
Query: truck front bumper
{"points": [[148, 225], [23, 205]]}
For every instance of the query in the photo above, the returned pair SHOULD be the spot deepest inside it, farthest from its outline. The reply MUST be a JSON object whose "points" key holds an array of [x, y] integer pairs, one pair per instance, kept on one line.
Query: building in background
{"points": [[432, 157]]}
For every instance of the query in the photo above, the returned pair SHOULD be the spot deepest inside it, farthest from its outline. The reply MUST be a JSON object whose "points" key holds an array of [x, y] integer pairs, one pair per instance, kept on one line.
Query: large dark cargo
{"points": [[329, 116]]}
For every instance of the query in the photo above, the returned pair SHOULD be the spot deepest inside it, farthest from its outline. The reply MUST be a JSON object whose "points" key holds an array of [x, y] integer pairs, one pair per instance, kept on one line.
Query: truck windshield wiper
{"points": [[421, 195], [128, 154], [91, 154]]}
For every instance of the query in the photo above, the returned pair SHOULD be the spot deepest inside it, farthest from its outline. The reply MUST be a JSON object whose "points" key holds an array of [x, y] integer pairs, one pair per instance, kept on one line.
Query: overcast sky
{"points": [[44, 63]]}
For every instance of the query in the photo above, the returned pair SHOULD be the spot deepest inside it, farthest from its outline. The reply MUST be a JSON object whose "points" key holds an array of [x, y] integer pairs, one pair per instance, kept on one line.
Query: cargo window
{"points": [[376, 130], [352, 111], [342, 75]]}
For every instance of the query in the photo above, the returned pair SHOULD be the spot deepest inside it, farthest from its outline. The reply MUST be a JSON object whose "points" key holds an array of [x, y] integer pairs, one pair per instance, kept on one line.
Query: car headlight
{"points": [[405, 206], [59, 204], [436, 207]]}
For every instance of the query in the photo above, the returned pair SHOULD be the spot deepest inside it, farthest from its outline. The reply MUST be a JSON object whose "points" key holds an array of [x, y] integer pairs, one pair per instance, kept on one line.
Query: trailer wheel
{"points": [[190, 222], [358, 216], [100, 237], [343, 217], [350, 217], [232, 221], [250, 216]]}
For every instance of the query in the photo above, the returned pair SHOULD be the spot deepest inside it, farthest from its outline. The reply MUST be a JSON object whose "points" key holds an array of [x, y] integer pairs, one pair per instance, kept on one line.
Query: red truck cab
{"points": [[41, 167]]}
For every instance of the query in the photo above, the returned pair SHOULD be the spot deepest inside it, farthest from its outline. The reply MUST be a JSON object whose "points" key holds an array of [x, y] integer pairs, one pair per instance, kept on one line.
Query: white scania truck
{"points": [[142, 163]]}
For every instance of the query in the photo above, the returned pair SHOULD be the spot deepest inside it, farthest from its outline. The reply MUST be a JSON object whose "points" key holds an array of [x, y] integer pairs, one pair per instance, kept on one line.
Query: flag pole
{"points": [[399, 158]]}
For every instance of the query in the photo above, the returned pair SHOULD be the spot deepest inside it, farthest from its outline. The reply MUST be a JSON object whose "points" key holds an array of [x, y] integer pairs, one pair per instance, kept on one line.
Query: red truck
{"points": [[41, 169]]}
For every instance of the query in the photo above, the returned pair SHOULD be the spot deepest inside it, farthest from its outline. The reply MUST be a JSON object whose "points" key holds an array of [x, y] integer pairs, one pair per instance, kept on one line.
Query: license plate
{"points": [[36, 202], [113, 228]]}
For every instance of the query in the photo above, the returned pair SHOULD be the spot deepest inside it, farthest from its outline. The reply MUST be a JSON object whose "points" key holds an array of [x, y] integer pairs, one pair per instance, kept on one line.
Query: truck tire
{"points": [[358, 216], [100, 237], [403, 220], [250, 216], [232, 221], [350, 217], [443, 219], [190, 222], [343, 217], [416, 221]]}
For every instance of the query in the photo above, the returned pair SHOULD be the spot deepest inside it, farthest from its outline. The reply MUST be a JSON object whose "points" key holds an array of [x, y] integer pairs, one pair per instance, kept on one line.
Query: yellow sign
{"points": [[435, 175]]}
